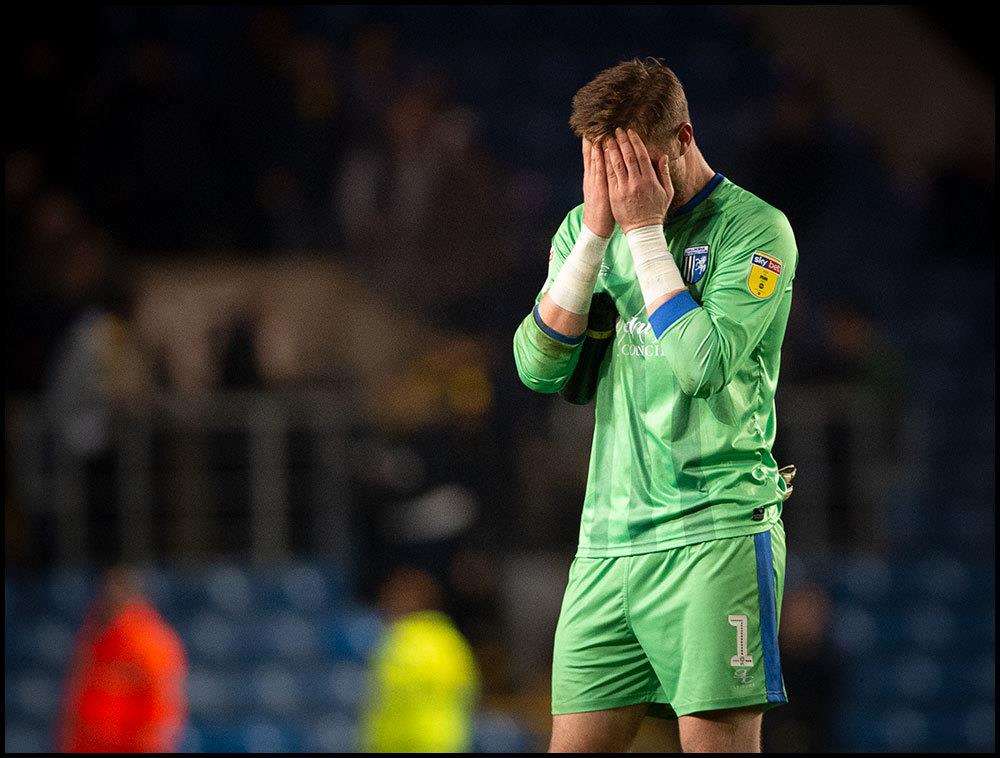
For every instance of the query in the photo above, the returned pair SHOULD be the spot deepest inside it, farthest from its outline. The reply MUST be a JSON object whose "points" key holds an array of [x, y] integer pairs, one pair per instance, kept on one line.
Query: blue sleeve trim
{"points": [[557, 336], [663, 317]]}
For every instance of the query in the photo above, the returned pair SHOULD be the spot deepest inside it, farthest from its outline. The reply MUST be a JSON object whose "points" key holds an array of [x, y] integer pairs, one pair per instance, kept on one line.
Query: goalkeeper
{"points": [[673, 599]]}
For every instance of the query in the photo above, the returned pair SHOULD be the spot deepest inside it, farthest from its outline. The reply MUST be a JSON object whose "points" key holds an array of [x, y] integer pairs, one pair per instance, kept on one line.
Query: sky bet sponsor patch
{"points": [[764, 273], [695, 263]]}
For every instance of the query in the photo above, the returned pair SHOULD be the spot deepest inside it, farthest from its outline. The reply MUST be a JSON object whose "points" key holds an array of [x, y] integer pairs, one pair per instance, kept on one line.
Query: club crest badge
{"points": [[764, 273], [695, 264]]}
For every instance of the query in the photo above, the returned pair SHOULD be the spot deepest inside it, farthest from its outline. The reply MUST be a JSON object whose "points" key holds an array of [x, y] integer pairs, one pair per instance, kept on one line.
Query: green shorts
{"points": [[693, 628]]}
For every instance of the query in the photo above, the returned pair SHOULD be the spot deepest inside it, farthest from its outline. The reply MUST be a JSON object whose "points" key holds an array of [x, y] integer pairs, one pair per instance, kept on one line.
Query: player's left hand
{"points": [[788, 474], [638, 197]]}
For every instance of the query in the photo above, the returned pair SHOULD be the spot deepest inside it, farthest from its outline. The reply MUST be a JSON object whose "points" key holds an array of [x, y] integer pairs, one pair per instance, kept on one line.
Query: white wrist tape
{"points": [[654, 265], [573, 286]]}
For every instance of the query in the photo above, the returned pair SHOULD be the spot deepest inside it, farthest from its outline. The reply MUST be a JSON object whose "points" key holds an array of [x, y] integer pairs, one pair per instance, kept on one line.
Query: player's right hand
{"points": [[596, 204]]}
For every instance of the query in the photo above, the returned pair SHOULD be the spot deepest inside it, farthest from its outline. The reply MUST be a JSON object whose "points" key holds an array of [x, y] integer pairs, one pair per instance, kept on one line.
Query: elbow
{"points": [[703, 383], [531, 377], [538, 384], [543, 365]]}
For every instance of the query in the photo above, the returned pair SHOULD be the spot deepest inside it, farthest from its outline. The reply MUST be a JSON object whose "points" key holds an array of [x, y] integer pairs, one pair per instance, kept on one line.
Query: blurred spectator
{"points": [[126, 686], [960, 225], [825, 175], [374, 74], [809, 664], [93, 364], [424, 678], [306, 153], [139, 124], [860, 354], [839, 341], [422, 188], [802, 142]]}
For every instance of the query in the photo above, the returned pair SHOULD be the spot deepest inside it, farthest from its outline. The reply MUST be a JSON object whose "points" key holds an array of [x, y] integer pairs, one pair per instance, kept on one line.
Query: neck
{"points": [[695, 174]]}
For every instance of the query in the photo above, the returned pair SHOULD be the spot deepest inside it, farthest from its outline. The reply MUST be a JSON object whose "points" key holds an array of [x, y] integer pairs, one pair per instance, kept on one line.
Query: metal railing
{"points": [[50, 447], [830, 432]]}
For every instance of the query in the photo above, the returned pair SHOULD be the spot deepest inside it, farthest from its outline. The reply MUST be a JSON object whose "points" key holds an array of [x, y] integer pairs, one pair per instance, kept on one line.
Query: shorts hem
{"points": [[604, 704], [765, 700]]}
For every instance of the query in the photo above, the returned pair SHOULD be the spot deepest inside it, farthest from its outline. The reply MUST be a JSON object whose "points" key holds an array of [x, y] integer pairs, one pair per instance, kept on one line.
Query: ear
{"points": [[685, 137]]}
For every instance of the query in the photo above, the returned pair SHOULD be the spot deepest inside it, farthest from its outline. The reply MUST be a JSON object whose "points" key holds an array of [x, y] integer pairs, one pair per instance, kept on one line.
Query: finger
{"points": [[663, 166], [597, 160], [601, 174], [615, 161], [641, 154], [588, 151], [631, 163], [609, 172]]}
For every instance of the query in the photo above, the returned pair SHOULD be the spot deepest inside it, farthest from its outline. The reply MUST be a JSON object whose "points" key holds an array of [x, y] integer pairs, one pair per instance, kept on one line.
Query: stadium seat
{"points": [[276, 689], [932, 627], [208, 693], [305, 589], [347, 685], [160, 587], [279, 656], [292, 637], [332, 734], [35, 697], [18, 738], [499, 733], [229, 591], [917, 677], [69, 591], [855, 631], [903, 729], [863, 577], [978, 726], [211, 638], [268, 737], [352, 634]]}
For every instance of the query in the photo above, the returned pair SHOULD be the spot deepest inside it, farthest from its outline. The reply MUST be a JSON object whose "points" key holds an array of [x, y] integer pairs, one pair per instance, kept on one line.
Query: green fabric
{"points": [[656, 628], [684, 423]]}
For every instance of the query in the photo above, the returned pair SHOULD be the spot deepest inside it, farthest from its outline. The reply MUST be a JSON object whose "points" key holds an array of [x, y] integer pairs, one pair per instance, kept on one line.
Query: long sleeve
{"points": [[707, 343], [544, 359]]}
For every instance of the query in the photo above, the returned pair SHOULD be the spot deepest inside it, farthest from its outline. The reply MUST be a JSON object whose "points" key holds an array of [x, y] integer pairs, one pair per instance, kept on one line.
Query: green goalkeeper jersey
{"points": [[684, 415]]}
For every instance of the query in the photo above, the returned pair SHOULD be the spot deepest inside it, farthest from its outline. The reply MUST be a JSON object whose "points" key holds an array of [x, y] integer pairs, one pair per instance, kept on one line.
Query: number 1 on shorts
{"points": [[742, 657]]}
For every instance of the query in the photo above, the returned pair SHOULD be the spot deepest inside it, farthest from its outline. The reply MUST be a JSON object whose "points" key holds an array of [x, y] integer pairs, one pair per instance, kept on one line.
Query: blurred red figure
{"points": [[126, 685]]}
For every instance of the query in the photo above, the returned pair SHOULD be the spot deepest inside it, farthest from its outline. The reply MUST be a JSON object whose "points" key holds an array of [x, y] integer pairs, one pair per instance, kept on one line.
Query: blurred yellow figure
{"points": [[424, 679]]}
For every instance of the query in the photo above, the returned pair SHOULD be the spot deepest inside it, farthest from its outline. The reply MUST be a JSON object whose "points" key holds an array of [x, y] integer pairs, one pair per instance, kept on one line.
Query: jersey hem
{"points": [[585, 551]]}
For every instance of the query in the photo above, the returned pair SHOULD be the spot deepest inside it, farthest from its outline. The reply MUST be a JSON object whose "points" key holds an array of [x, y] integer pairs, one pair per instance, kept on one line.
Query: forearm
{"points": [[659, 278], [561, 320], [564, 307], [547, 343], [700, 358], [694, 348]]}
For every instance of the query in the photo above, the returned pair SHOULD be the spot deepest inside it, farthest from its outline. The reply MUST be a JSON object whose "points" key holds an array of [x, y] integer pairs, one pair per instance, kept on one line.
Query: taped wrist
{"points": [[654, 265], [573, 286]]}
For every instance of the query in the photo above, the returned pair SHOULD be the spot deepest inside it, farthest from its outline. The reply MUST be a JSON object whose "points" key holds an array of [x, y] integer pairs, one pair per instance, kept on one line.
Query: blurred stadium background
{"points": [[235, 360]]}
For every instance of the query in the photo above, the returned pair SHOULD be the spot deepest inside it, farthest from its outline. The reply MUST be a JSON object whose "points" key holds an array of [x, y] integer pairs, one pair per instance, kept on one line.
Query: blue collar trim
{"points": [[705, 191]]}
